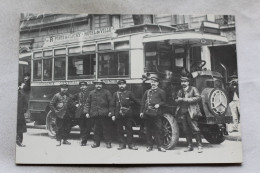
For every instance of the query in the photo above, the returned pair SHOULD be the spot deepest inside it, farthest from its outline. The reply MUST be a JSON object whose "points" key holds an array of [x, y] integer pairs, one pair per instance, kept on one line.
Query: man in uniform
{"points": [[151, 111], [122, 101], [99, 107], [188, 110], [81, 111], [61, 106]]}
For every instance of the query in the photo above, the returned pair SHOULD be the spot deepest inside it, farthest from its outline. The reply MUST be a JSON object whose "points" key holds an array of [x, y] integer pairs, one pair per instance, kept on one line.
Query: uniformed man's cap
{"points": [[184, 78], [64, 85], [83, 83], [98, 81], [121, 81], [154, 78]]}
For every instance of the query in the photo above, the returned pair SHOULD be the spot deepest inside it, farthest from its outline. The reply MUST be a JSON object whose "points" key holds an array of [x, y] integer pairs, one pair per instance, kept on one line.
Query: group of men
{"points": [[101, 108]]}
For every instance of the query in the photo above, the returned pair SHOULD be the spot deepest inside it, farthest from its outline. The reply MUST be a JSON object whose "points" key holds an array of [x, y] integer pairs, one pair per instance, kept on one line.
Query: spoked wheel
{"points": [[51, 124], [213, 134], [170, 131]]}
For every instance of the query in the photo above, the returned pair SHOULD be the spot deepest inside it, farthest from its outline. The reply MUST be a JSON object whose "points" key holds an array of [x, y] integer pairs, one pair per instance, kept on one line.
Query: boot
{"points": [[65, 142], [190, 145], [199, 142], [121, 147], [83, 143], [149, 148], [108, 145], [95, 145], [132, 147], [161, 149], [58, 143]]}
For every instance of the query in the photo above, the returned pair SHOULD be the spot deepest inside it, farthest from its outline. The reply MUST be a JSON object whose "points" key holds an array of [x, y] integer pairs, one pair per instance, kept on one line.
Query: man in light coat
{"points": [[188, 110]]}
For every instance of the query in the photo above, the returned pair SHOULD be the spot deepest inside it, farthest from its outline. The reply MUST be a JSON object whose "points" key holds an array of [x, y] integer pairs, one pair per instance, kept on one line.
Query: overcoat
{"points": [[155, 96], [99, 103]]}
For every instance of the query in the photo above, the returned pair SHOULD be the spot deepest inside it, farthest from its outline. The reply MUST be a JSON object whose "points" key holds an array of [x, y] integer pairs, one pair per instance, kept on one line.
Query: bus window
{"points": [[37, 70], [47, 69], [59, 68], [81, 67], [114, 65]]}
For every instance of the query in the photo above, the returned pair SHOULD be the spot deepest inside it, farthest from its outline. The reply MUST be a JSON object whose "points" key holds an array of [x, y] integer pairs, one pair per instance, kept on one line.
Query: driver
{"points": [[188, 110]]}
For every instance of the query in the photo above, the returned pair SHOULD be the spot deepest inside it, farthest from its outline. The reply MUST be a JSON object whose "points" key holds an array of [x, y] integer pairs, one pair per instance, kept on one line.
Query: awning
{"points": [[188, 38]]}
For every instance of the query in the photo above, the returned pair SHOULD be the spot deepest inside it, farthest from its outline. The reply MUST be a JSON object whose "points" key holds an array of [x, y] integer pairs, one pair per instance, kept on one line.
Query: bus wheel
{"points": [[51, 124], [213, 134], [170, 131]]}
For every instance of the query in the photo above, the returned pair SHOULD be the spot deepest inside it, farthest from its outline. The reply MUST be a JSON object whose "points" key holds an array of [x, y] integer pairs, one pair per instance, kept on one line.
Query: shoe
{"points": [[121, 147], [58, 144], [65, 142], [149, 149], [83, 144], [108, 145], [200, 149], [161, 149], [95, 145], [189, 148], [132, 147], [20, 144]]}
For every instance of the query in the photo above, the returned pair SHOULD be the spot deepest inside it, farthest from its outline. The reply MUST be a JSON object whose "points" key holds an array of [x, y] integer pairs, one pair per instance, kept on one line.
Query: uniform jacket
{"points": [[156, 96], [99, 103], [81, 99], [192, 98], [61, 104], [126, 98]]}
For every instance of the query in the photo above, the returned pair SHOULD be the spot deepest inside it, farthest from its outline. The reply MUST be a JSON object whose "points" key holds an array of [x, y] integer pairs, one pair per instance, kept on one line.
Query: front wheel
{"points": [[213, 134], [51, 124], [170, 131]]}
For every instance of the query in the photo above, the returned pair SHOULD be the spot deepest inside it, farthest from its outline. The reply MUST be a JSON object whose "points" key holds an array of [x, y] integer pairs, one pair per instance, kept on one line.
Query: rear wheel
{"points": [[213, 134], [170, 131], [51, 124]]}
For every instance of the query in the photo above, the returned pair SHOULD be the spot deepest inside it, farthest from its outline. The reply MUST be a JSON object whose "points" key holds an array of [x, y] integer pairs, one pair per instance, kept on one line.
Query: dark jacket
{"points": [[21, 109], [80, 99], [156, 96], [99, 103], [126, 100], [61, 105], [191, 100], [21, 106]]}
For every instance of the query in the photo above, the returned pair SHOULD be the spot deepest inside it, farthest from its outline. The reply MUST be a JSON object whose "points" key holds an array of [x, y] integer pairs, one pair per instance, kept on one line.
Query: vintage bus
{"points": [[134, 54]]}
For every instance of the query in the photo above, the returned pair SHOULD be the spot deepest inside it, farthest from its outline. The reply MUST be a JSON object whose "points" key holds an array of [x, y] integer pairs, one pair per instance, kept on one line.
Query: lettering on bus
{"points": [[78, 36], [76, 82]]}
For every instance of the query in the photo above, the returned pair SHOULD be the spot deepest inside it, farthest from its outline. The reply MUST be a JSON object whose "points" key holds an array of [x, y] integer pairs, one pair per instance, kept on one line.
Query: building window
{"points": [[114, 65], [59, 68], [81, 67], [37, 70], [47, 69]]}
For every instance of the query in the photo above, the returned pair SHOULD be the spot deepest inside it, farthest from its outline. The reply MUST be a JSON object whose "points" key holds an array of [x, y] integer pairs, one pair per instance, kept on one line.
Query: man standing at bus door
{"points": [[188, 110], [21, 125], [151, 111], [61, 105], [99, 107], [81, 111], [122, 101]]}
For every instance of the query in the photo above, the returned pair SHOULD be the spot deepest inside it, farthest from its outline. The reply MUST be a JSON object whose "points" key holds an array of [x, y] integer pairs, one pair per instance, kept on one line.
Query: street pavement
{"points": [[41, 149]]}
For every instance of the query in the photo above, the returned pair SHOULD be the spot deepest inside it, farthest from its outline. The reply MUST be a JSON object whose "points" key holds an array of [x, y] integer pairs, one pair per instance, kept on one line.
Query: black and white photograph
{"points": [[128, 89]]}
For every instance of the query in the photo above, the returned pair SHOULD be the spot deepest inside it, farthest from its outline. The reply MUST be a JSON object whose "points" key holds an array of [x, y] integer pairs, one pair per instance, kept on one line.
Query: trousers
{"points": [[63, 128], [190, 127], [153, 127], [102, 124], [121, 122], [85, 128]]}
